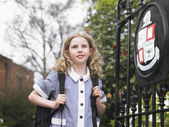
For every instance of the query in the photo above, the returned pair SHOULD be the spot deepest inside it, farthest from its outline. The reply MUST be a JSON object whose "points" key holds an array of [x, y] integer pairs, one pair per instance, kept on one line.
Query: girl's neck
{"points": [[80, 69]]}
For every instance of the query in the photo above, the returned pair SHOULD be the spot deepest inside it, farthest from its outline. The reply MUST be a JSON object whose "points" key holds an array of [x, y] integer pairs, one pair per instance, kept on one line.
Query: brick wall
{"points": [[14, 75], [2, 73]]}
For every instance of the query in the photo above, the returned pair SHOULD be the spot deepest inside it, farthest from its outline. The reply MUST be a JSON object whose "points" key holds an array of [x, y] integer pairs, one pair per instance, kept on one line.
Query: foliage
{"points": [[15, 109], [101, 25]]}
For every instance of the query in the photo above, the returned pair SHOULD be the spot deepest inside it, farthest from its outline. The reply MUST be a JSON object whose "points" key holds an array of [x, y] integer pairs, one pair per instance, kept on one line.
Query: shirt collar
{"points": [[76, 76]]}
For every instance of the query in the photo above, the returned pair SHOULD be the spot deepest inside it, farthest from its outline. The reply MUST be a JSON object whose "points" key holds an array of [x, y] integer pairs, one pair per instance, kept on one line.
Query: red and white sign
{"points": [[147, 52]]}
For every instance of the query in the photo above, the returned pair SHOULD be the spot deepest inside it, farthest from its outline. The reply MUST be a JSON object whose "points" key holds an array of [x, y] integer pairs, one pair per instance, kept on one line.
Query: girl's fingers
{"points": [[96, 87], [97, 92], [61, 98]]}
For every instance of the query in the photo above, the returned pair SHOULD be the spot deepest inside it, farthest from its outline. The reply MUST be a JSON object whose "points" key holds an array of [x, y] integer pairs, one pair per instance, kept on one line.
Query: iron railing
{"points": [[139, 105]]}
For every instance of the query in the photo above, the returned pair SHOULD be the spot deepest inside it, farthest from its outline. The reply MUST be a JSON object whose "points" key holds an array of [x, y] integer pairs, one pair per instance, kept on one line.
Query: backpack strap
{"points": [[61, 77], [93, 101]]}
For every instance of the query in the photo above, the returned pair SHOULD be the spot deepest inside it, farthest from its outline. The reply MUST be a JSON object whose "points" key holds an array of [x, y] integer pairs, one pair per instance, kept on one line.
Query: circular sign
{"points": [[150, 39]]}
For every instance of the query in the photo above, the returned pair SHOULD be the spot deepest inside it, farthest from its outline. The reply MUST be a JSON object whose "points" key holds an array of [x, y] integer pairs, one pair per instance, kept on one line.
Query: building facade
{"points": [[14, 75]]}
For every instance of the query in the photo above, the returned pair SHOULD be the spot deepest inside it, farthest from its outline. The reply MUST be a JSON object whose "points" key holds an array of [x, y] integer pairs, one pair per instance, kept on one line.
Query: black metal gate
{"points": [[139, 105]]}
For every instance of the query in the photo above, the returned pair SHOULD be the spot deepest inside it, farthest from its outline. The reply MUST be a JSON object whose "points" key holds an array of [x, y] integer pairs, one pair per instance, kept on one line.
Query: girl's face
{"points": [[79, 50]]}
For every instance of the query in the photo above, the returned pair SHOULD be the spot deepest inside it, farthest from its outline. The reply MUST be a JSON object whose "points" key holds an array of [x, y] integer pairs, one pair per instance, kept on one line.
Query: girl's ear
{"points": [[67, 51], [90, 51]]}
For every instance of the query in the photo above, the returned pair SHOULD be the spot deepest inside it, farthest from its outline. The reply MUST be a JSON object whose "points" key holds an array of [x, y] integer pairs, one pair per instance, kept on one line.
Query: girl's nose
{"points": [[79, 49]]}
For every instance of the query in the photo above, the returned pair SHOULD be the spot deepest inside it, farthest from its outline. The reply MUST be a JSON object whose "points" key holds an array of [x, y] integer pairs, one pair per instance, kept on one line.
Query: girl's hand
{"points": [[97, 93], [61, 99]]}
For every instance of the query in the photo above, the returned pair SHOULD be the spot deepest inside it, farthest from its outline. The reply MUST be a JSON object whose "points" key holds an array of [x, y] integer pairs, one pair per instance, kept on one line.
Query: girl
{"points": [[79, 61]]}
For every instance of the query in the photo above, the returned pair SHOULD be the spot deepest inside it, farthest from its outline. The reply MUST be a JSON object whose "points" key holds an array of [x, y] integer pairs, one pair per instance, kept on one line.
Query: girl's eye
{"points": [[74, 46], [84, 46]]}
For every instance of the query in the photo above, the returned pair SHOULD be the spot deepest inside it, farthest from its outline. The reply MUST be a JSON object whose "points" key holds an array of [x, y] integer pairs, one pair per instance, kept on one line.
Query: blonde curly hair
{"points": [[64, 63]]}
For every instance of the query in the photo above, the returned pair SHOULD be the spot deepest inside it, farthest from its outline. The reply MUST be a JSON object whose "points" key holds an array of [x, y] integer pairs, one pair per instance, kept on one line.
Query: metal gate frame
{"points": [[123, 116]]}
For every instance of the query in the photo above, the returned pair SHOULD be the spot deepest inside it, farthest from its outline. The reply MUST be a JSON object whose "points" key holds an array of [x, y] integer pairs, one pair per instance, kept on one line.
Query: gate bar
{"points": [[154, 105], [129, 3]]}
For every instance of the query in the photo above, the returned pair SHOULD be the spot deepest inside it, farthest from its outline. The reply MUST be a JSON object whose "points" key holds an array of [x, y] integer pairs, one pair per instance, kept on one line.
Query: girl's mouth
{"points": [[80, 56]]}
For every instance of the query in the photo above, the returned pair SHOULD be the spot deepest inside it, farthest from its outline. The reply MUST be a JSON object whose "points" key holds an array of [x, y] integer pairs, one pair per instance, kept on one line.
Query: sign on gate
{"points": [[152, 43]]}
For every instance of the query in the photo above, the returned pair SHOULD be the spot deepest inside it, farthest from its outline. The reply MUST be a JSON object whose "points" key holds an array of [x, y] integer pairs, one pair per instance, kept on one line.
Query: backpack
{"points": [[43, 115]]}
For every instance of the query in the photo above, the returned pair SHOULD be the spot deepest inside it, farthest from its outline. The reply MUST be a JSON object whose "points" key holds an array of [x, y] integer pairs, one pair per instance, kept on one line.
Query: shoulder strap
{"points": [[94, 80], [93, 101], [61, 78]]}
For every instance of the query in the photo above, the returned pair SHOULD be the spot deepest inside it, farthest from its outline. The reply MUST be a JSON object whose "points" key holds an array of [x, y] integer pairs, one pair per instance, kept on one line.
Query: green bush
{"points": [[16, 110]]}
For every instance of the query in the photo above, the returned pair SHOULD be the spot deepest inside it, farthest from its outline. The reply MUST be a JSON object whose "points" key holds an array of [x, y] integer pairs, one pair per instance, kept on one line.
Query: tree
{"points": [[39, 31]]}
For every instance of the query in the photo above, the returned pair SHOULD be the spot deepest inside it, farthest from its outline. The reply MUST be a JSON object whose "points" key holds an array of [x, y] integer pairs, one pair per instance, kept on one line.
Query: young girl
{"points": [[79, 61]]}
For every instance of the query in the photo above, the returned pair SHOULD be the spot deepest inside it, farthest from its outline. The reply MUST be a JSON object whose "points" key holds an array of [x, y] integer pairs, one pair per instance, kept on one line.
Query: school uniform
{"points": [[77, 109]]}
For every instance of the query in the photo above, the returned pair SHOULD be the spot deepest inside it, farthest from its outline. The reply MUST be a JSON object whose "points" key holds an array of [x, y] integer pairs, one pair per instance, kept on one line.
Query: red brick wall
{"points": [[21, 76], [2, 74], [14, 75]]}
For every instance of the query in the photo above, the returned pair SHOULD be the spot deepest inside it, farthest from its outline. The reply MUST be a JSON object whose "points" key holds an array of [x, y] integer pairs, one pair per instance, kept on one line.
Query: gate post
{"points": [[118, 29]]}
